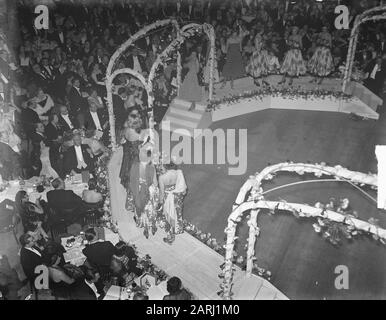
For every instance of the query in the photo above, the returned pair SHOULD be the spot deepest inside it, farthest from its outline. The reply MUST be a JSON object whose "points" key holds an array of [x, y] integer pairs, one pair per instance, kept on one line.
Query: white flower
{"points": [[316, 227]]}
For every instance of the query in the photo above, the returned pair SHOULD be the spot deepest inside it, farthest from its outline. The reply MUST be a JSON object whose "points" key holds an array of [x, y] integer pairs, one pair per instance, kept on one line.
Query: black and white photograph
{"points": [[200, 150]]}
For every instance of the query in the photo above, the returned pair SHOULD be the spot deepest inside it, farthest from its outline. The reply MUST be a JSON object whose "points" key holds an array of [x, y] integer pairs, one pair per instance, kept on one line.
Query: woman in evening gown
{"points": [[293, 64], [321, 64], [47, 169], [234, 68], [190, 89], [144, 188], [172, 193], [132, 141]]}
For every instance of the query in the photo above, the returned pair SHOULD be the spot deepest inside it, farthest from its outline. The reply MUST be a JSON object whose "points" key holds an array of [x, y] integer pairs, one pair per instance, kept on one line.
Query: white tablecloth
{"points": [[74, 254]]}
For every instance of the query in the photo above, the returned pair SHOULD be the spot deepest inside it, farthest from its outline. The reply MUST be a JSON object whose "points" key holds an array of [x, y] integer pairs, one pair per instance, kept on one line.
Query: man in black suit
{"points": [[137, 62], [30, 256], [65, 120], [54, 135], [376, 73], [40, 78], [120, 113], [78, 104], [28, 118], [95, 119], [98, 254], [78, 157], [66, 204]]}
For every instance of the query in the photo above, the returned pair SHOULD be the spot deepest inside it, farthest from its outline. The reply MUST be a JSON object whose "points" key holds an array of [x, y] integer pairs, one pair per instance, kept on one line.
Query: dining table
{"points": [[30, 186]]}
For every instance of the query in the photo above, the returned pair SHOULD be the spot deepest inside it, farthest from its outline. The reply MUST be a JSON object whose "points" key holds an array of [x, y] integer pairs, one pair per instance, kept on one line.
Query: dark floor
{"points": [[302, 263]]}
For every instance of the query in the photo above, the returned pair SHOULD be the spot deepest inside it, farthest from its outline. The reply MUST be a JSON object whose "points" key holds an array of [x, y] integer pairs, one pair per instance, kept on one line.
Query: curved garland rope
{"points": [[251, 197], [364, 17]]}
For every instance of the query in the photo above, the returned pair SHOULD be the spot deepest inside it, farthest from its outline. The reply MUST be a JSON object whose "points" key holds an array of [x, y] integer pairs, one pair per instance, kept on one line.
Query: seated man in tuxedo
{"points": [[66, 204], [95, 120], [120, 112], [98, 254], [30, 256], [375, 75], [78, 158], [65, 121]]}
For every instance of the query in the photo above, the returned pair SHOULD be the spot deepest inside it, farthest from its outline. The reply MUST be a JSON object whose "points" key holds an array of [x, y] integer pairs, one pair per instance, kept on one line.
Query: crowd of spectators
{"points": [[57, 75]]}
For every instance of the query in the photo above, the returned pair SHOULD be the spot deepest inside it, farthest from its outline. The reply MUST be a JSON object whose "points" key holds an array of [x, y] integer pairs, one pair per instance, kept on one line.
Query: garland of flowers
{"points": [[336, 220], [101, 173], [286, 93]]}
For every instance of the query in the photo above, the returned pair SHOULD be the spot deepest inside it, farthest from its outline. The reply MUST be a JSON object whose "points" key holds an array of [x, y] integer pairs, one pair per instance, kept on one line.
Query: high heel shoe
{"points": [[146, 233], [153, 230]]}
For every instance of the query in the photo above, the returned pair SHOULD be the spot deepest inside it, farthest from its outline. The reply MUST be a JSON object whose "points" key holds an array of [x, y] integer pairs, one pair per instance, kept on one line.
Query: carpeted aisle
{"points": [[302, 263]]}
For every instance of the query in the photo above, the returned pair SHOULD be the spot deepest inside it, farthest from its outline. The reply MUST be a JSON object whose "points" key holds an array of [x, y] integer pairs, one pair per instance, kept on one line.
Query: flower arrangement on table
{"points": [[287, 93]]}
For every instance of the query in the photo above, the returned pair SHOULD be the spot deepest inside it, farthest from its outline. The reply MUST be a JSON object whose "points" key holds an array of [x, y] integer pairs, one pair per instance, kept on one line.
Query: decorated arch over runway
{"points": [[111, 73], [183, 34], [375, 14], [251, 199]]}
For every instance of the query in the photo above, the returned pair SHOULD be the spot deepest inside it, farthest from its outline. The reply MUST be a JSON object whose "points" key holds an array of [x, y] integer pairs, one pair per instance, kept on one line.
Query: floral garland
{"points": [[286, 93], [336, 220], [101, 173], [211, 242]]}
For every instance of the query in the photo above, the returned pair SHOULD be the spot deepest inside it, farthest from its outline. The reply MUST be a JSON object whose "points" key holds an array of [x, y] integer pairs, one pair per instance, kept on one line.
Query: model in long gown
{"points": [[190, 89], [172, 192], [233, 68], [144, 188], [321, 63], [132, 141]]}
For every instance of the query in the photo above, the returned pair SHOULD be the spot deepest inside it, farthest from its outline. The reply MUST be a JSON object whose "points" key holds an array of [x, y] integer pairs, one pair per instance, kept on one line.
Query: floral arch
{"points": [[251, 199], [110, 74], [182, 34], [375, 14]]}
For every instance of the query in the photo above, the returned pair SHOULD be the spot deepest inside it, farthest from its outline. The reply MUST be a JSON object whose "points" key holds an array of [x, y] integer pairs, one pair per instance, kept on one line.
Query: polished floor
{"points": [[302, 263]]}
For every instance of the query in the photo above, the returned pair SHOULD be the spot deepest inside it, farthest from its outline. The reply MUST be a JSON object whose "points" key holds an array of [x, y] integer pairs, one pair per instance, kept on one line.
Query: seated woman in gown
{"points": [[172, 193]]}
